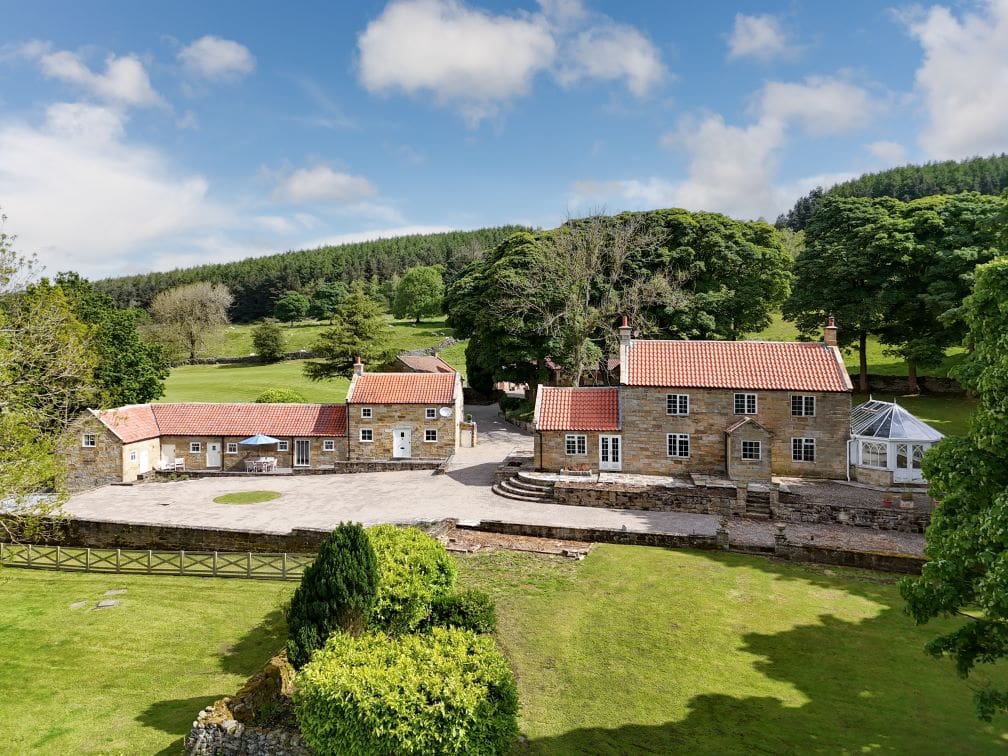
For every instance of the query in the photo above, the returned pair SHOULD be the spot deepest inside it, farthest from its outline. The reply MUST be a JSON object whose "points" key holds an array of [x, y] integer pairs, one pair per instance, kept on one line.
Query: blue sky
{"points": [[140, 136]]}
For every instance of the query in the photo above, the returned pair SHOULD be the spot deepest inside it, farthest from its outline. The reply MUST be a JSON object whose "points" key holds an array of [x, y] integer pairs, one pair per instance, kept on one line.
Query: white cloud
{"points": [[322, 184], [612, 51], [822, 105], [217, 59], [888, 153], [85, 199], [125, 81], [963, 79], [759, 37], [475, 61]]}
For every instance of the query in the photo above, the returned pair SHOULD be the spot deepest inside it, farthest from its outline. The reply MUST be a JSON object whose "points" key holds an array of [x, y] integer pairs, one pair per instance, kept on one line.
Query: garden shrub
{"points": [[413, 570], [469, 610], [280, 396], [447, 692], [337, 592]]}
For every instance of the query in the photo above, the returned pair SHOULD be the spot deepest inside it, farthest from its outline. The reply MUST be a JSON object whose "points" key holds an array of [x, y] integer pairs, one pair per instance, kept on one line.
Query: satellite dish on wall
{"points": [[445, 412]]}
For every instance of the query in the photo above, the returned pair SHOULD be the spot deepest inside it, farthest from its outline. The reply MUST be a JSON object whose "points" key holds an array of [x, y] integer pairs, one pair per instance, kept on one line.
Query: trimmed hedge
{"points": [[337, 592], [413, 570], [447, 692], [469, 610]]}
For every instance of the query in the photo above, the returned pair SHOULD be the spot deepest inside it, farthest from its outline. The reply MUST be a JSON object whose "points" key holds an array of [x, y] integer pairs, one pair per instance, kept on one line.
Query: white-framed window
{"points": [[430, 413], [366, 435], [745, 404], [195, 447], [676, 404], [365, 413], [875, 453], [231, 448], [677, 445], [803, 449], [430, 435], [283, 446], [89, 440], [576, 445], [751, 450], [132, 456], [802, 406], [328, 444]]}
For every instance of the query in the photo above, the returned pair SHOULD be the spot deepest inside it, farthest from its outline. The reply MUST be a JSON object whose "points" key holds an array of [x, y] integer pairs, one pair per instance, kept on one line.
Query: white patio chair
{"points": [[180, 464]]}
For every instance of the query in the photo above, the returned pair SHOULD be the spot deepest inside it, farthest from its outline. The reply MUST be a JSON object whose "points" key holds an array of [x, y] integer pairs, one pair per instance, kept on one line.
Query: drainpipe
{"points": [[540, 448], [849, 442]]}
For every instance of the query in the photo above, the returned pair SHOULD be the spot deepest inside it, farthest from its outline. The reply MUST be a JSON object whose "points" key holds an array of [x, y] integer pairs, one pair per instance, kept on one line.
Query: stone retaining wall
{"points": [[719, 500], [792, 507], [598, 535]]}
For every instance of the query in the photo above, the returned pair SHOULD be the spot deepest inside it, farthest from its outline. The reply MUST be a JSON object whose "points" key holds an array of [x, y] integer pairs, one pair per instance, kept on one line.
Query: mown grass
{"points": [[948, 414], [247, 497], [642, 650], [131, 678], [633, 650]]}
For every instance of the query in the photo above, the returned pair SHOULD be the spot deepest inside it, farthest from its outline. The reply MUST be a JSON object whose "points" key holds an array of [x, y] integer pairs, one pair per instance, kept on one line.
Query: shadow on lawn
{"points": [[861, 694]]}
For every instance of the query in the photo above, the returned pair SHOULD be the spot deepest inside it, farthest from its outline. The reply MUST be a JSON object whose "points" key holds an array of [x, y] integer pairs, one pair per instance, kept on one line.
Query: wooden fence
{"points": [[135, 561]]}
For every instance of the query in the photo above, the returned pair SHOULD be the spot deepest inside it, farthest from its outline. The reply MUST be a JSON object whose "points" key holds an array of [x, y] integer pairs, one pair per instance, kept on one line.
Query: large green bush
{"points": [[280, 396], [413, 570], [469, 610], [337, 592], [447, 692]]}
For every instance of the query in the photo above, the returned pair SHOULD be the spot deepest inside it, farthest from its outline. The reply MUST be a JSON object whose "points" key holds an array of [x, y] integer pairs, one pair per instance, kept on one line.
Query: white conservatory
{"points": [[887, 444]]}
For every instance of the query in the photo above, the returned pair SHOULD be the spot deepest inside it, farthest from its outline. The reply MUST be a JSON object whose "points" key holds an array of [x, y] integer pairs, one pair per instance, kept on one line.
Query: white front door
{"points": [[213, 455], [302, 447], [402, 448], [144, 461], [610, 453]]}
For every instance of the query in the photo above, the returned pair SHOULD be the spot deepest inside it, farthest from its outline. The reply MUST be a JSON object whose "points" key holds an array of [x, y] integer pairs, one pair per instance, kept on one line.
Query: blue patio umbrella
{"points": [[259, 440]]}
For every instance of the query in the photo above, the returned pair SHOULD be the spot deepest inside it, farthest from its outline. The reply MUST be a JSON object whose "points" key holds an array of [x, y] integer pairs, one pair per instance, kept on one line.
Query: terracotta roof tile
{"points": [[577, 409], [425, 363], [133, 423], [403, 388], [761, 365], [247, 419]]}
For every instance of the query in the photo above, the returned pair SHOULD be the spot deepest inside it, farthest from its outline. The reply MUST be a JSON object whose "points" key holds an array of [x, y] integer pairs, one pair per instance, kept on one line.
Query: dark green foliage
{"points": [[967, 541], [268, 340], [326, 299], [468, 610], [291, 306], [419, 292], [447, 692], [511, 403], [280, 396], [337, 593], [360, 330], [128, 368], [414, 570], [987, 175], [256, 282]]}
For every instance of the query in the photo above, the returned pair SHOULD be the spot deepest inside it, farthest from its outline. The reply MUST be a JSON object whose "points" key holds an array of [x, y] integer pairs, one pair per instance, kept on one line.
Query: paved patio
{"points": [[323, 501]]}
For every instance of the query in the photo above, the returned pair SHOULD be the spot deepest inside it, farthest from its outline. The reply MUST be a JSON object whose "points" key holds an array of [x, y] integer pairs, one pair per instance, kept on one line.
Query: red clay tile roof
{"points": [[133, 423], [403, 388], [761, 365], [570, 409], [247, 419], [425, 363]]}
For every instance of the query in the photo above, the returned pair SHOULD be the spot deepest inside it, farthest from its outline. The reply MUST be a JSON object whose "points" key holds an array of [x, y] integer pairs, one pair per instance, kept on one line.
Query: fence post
{"points": [[181, 562], [29, 555], [215, 564], [87, 560], [58, 553], [118, 554], [248, 566], [150, 561], [283, 568]]}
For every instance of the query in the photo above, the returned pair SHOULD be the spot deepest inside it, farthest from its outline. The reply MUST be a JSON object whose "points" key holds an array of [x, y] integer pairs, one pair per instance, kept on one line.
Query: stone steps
{"points": [[523, 488], [501, 489]]}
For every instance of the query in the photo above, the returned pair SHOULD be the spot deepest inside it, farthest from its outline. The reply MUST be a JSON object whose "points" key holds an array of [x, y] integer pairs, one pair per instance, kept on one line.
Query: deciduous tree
{"points": [[189, 315], [966, 576], [420, 292], [268, 340], [291, 306]]}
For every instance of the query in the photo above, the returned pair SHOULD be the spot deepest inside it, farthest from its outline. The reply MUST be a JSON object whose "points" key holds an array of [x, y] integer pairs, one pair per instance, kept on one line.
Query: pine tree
{"points": [[360, 330]]}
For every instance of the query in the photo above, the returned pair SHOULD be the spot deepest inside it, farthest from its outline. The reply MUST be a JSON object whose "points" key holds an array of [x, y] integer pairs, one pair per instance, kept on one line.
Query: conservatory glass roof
{"points": [[875, 419]]}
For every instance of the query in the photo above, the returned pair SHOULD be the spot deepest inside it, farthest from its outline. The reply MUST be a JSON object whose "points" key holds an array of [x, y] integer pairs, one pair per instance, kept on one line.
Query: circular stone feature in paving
{"points": [[246, 497]]}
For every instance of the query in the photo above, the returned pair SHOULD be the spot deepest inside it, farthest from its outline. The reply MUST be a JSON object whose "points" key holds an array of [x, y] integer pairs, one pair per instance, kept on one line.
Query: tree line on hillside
{"points": [[256, 283], [985, 175]]}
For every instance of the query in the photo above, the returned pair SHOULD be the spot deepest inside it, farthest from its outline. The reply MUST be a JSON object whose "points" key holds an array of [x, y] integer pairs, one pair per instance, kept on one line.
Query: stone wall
{"points": [[872, 476], [386, 418], [600, 535], [550, 449], [904, 516], [91, 467], [136, 454], [718, 500]]}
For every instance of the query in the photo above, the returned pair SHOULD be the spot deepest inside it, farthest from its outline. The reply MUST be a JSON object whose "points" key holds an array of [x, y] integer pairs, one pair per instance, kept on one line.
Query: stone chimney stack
{"points": [[358, 366], [829, 332], [625, 333]]}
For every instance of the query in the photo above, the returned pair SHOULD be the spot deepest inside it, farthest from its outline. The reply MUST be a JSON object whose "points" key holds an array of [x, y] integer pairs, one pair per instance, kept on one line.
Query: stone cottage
{"points": [[403, 415], [745, 410]]}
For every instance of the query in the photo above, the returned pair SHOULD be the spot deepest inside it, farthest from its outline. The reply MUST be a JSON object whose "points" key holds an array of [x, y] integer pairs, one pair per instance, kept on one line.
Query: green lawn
{"points": [[947, 414], [879, 363], [633, 650], [129, 679]]}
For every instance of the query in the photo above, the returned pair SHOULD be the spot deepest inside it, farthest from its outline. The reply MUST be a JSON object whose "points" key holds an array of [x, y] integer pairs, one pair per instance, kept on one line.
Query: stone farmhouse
{"points": [[392, 417], [745, 410]]}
